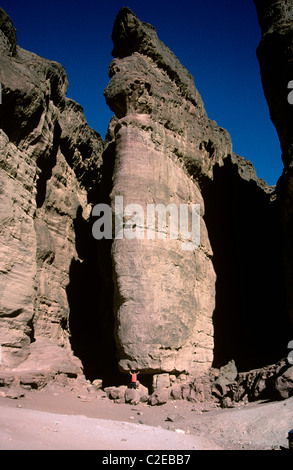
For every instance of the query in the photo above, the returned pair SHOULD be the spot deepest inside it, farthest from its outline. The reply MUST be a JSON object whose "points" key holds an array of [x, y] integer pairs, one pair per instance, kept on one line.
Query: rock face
{"points": [[275, 55], [165, 295], [179, 310], [49, 168]]}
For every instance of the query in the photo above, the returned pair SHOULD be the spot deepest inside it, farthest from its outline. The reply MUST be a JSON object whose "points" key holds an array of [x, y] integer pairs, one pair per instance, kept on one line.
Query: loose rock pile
{"points": [[224, 385], [274, 382]]}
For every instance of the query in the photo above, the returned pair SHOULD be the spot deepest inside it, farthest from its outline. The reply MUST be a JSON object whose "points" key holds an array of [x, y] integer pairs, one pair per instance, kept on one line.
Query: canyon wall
{"points": [[72, 304]]}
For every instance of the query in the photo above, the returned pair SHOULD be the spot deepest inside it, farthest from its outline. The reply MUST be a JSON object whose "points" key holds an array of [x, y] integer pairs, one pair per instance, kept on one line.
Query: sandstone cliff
{"points": [[50, 167]]}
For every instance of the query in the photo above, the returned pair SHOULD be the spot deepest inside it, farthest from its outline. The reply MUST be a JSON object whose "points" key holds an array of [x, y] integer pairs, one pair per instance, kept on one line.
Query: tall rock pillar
{"points": [[164, 294]]}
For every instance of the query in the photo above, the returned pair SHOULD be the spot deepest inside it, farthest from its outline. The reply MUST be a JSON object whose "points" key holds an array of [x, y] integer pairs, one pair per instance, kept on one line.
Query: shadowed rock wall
{"points": [[275, 55]]}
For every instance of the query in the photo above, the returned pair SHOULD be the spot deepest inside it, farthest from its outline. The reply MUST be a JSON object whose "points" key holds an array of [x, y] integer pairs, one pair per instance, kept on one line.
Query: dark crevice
{"points": [[46, 165], [251, 325], [90, 300], [31, 334], [85, 169], [90, 293], [20, 113]]}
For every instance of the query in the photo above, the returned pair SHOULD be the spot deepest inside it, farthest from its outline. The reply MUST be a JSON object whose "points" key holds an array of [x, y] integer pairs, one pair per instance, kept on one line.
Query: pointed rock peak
{"points": [[129, 33], [7, 28], [132, 35]]}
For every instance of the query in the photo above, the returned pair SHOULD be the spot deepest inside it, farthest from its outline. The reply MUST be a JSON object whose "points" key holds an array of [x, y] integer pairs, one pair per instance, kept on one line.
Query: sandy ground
{"points": [[60, 420]]}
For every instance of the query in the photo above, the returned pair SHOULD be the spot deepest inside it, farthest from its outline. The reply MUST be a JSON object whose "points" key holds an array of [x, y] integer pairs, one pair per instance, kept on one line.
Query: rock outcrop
{"points": [[179, 310], [50, 167]]}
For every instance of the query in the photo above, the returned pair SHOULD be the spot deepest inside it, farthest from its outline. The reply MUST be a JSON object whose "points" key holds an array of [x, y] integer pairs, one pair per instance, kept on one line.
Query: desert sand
{"points": [[57, 419]]}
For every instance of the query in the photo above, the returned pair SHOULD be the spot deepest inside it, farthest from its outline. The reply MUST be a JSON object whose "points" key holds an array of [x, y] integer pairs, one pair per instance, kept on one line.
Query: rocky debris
{"points": [[226, 375], [273, 382], [284, 383], [165, 387], [47, 363], [225, 386], [124, 394], [15, 384]]}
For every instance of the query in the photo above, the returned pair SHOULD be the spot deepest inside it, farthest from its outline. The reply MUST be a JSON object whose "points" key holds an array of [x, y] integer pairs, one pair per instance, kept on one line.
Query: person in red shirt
{"points": [[134, 381]]}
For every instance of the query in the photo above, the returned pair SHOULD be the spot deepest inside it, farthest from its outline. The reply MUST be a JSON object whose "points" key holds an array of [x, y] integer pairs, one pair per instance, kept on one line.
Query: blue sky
{"points": [[215, 40]]}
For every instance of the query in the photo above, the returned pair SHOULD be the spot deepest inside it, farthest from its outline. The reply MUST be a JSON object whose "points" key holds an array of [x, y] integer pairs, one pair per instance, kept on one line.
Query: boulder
{"points": [[144, 393], [161, 381], [284, 384], [227, 375], [159, 397], [132, 396], [97, 384], [116, 393], [176, 392]]}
